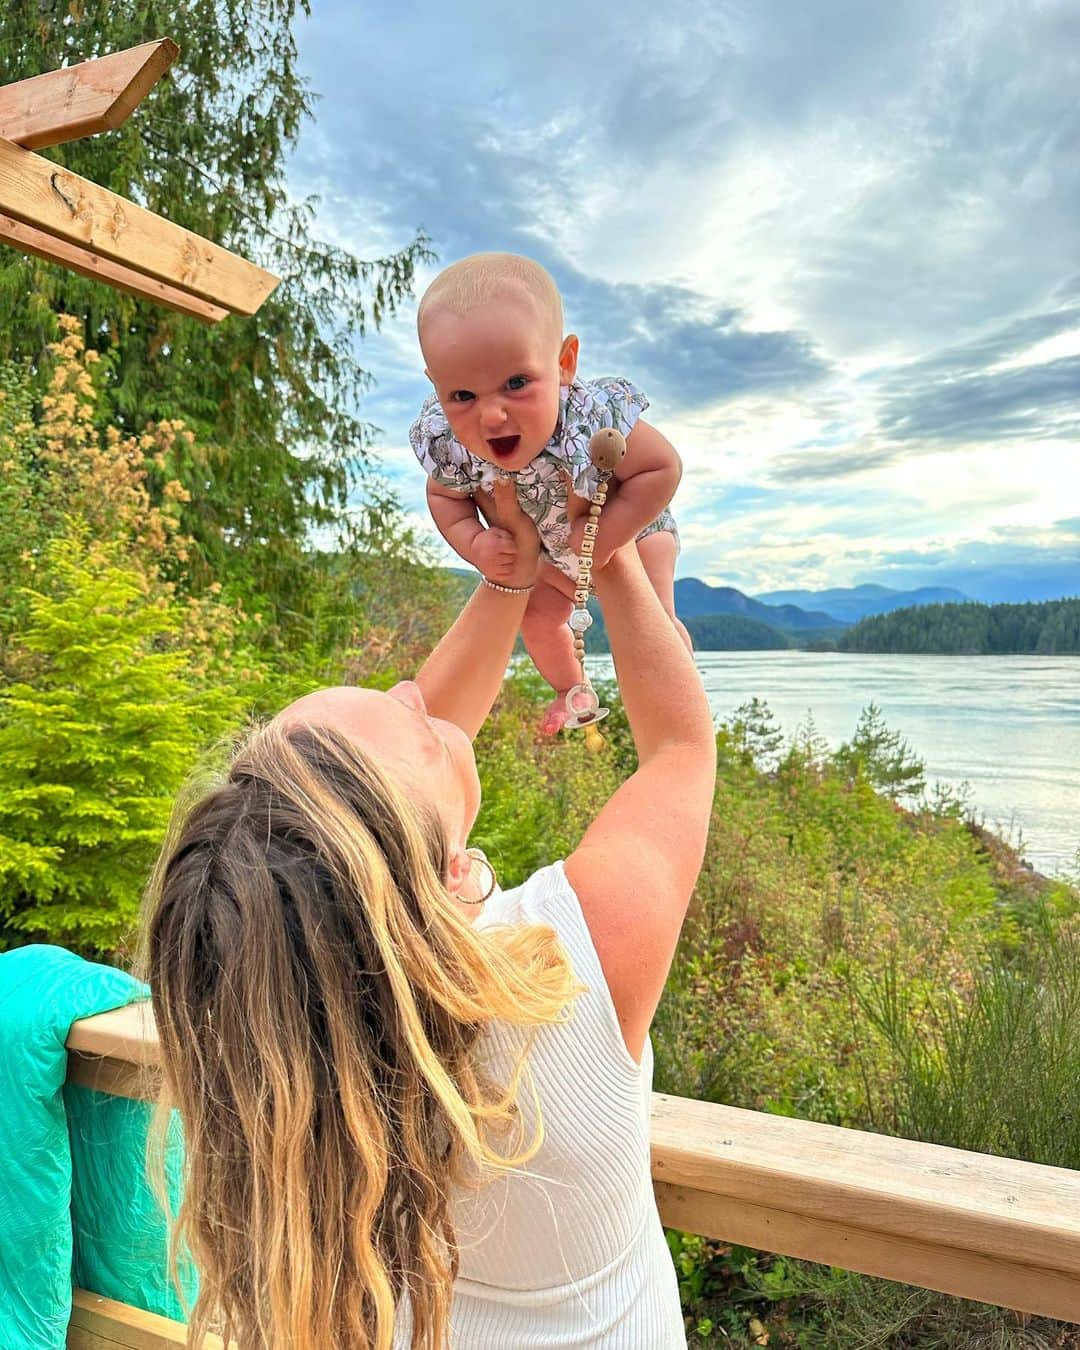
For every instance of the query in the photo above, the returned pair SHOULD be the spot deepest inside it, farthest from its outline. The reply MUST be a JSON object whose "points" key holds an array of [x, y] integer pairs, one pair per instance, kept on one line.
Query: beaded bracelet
{"points": [[606, 449], [508, 590]]}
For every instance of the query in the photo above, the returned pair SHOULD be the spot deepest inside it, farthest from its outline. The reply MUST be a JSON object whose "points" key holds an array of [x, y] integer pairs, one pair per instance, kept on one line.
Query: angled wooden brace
{"points": [[65, 105], [64, 218]]}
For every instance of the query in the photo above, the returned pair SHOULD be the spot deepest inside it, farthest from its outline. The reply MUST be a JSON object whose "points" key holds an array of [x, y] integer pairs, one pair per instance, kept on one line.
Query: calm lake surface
{"points": [[1009, 726]]}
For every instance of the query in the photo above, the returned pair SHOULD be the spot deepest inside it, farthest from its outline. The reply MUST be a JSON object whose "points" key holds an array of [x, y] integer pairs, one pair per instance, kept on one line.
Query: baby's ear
{"points": [[568, 358]]}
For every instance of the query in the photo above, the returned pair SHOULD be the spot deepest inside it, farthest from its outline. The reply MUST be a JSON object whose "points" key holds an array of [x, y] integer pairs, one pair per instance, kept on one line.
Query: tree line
{"points": [[1047, 628]]}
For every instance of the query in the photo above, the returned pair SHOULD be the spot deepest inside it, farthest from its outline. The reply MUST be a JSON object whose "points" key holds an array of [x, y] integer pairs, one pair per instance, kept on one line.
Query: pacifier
{"points": [[583, 706]]}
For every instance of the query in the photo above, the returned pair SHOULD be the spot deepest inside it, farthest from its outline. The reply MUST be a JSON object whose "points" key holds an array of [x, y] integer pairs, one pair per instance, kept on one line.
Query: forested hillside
{"points": [[1048, 629]]}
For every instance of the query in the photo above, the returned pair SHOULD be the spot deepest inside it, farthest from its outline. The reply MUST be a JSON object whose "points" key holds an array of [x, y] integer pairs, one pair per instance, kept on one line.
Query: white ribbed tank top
{"points": [[568, 1251]]}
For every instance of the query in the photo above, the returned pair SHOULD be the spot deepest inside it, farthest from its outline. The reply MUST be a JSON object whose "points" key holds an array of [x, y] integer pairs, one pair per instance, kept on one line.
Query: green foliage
{"points": [[539, 794], [734, 633], [272, 398], [883, 756], [21, 523], [1050, 628], [93, 750], [711, 633], [811, 874], [950, 1050], [849, 961], [753, 733]]}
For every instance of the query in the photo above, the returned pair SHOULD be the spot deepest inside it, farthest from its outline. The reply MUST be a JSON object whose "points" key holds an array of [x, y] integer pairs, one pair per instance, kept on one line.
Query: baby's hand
{"points": [[494, 553]]}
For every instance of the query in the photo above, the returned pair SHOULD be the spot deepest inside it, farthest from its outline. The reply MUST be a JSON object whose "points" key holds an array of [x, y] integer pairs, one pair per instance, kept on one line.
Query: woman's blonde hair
{"points": [[318, 996]]}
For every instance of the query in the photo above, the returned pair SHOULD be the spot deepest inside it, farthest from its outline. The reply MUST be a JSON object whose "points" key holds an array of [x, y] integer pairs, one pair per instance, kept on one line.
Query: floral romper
{"points": [[584, 408]]}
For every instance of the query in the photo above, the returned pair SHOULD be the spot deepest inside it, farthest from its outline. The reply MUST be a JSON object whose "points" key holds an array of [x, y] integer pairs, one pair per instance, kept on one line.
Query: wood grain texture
{"points": [[100, 1323], [27, 239], [127, 1034], [943, 1196], [40, 194], [930, 1265], [97, 95]]}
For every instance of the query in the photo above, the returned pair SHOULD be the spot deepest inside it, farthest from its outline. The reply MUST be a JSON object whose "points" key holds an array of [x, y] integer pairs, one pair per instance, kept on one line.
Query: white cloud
{"points": [[864, 214]]}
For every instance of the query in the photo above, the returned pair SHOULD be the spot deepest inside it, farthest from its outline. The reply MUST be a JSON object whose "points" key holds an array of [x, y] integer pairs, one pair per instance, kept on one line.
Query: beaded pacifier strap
{"points": [[606, 449]]}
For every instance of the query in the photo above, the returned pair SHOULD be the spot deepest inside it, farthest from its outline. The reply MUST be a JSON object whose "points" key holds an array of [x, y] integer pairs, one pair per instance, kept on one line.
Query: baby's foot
{"points": [[555, 716]]}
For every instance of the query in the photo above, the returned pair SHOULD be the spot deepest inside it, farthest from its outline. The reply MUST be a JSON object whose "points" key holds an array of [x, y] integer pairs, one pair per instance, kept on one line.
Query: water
{"points": [[1009, 726]]}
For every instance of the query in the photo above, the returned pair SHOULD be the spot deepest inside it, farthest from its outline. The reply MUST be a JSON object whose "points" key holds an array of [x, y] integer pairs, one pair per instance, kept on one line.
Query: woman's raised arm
{"points": [[636, 867], [461, 678]]}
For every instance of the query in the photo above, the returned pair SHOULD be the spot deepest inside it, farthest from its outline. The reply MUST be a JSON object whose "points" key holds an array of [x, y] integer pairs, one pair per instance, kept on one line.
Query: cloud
{"points": [[1034, 403], [990, 389], [834, 243]]}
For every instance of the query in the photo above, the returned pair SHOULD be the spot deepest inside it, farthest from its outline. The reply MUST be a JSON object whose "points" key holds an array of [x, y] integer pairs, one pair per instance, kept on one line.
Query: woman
{"points": [[416, 1108]]}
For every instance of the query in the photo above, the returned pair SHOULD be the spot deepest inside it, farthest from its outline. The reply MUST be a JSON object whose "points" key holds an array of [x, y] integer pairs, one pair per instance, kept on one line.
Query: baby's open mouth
{"points": [[504, 445]]}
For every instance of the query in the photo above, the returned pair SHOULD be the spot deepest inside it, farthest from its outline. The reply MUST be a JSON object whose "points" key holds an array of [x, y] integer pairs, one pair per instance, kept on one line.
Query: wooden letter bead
{"points": [[590, 529]]}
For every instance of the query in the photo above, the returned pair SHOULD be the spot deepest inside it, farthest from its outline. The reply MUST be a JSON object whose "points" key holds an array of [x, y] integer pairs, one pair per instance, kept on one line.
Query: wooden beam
{"points": [[127, 1034], [40, 194], [983, 1227], [970, 1224], [103, 1324], [852, 1246], [98, 95], [41, 245]]}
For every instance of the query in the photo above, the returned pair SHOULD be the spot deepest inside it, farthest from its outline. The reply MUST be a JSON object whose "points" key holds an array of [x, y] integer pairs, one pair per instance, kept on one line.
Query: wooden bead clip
{"points": [[606, 449]]}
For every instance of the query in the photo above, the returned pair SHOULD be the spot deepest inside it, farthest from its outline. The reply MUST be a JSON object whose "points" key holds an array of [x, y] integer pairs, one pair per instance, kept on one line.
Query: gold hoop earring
{"points": [[477, 856]]}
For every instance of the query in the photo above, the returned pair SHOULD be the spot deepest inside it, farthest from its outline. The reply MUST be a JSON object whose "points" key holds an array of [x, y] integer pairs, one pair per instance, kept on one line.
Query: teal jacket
{"points": [[75, 1206]]}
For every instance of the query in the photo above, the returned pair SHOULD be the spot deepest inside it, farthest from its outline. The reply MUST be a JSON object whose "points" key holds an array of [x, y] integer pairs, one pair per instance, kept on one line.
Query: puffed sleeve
{"points": [[591, 405], [443, 457]]}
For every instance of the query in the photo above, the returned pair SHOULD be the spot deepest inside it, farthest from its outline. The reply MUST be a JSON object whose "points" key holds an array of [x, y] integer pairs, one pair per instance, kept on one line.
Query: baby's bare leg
{"points": [[657, 553], [547, 639]]}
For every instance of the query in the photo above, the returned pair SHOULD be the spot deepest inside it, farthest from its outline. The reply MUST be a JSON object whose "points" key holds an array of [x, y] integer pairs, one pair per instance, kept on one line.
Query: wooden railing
{"points": [[982, 1227]]}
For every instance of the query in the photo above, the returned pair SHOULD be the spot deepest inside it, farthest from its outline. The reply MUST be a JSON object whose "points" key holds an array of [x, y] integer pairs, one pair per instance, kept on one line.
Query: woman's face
{"points": [[431, 756]]}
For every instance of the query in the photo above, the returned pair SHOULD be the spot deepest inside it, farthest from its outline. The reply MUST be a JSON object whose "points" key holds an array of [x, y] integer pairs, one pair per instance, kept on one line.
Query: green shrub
{"points": [[949, 1087], [539, 794], [92, 752]]}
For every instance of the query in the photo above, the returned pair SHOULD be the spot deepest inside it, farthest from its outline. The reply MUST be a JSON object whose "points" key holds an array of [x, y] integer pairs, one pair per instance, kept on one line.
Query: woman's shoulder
{"points": [[535, 900], [549, 898]]}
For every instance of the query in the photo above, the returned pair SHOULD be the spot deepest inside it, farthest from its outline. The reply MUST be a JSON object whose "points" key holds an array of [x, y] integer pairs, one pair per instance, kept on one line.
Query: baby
{"points": [[508, 401]]}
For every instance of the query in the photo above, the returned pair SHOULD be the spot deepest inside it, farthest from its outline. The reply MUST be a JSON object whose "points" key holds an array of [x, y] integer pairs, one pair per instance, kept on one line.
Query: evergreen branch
{"points": [[321, 251]]}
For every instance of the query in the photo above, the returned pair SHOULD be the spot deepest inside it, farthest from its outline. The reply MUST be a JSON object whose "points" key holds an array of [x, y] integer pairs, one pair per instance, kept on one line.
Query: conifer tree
{"points": [[276, 393], [93, 750]]}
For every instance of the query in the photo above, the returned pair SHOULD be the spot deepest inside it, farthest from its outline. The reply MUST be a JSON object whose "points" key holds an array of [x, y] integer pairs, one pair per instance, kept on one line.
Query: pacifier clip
{"points": [[606, 449]]}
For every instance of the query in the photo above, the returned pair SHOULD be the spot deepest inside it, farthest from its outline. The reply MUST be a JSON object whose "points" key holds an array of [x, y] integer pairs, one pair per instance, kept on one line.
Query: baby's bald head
{"points": [[476, 280]]}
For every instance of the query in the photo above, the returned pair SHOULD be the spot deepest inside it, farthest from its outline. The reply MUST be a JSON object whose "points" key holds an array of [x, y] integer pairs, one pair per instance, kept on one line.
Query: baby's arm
{"points": [[647, 478], [491, 551], [455, 516]]}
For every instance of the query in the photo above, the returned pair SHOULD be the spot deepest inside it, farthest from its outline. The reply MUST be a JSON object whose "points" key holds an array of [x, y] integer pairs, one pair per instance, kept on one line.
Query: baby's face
{"points": [[497, 372]]}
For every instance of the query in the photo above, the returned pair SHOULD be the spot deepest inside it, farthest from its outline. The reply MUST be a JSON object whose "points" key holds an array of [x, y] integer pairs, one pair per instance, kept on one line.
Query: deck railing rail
{"points": [[993, 1229]]}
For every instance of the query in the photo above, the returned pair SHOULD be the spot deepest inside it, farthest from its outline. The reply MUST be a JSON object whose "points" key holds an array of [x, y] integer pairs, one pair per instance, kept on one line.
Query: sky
{"points": [[835, 243]]}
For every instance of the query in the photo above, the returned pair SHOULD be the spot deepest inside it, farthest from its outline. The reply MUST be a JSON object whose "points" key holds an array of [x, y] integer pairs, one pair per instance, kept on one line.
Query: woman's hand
{"points": [[508, 551], [462, 677]]}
